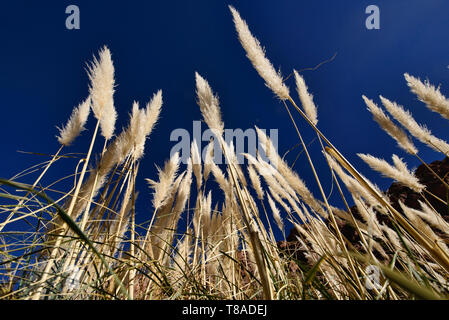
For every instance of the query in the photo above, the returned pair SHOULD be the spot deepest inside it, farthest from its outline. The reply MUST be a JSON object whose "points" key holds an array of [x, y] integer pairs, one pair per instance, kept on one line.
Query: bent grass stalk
{"points": [[54, 252], [53, 159], [334, 222]]}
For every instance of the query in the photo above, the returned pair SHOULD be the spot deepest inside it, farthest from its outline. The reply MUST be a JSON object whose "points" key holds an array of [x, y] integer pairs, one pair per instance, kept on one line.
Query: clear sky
{"points": [[159, 45]]}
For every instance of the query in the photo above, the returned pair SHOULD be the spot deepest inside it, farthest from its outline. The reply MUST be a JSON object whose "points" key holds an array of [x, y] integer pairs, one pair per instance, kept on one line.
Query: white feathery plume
{"points": [[400, 165], [284, 183], [276, 214], [169, 213], [290, 176], [195, 153], [414, 216], [393, 238], [101, 89], [352, 184], [209, 158], [420, 132], [278, 191], [256, 54], [306, 98], [149, 119], [251, 159], [152, 111], [132, 139], [255, 181], [432, 217], [183, 191], [405, 177], [126, 141], [369, 216], [221, 179], [196, 163], [209, 105], [393, 130], [231, 159], [429, 94], [163, 187], [275, 176], [75, 124], [268, 173], [278, 199], [137, 130]]}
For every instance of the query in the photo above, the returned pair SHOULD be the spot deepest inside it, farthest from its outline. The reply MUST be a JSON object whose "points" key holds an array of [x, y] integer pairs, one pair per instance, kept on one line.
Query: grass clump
{"points": [[84, 243]]}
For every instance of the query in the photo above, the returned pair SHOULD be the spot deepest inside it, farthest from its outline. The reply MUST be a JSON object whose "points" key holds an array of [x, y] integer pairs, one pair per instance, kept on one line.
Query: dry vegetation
{"points": [[84, 243]]}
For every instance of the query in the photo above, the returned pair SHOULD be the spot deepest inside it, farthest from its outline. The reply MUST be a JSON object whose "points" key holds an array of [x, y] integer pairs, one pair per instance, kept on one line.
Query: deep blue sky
{"points": [[159, 45]]}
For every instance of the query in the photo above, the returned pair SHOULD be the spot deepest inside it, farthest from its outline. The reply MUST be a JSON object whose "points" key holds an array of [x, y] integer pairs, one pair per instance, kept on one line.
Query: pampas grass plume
{"points": [[209, 158], [276, 213], [152, 112], [256, 55], [429, 94], [162, 188], [209, 105], [101, 76], [196, 163], [400, 174], [255, 181], [150, 117], [306, 98], [75, 124], [421, 133], [393, 130]]}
